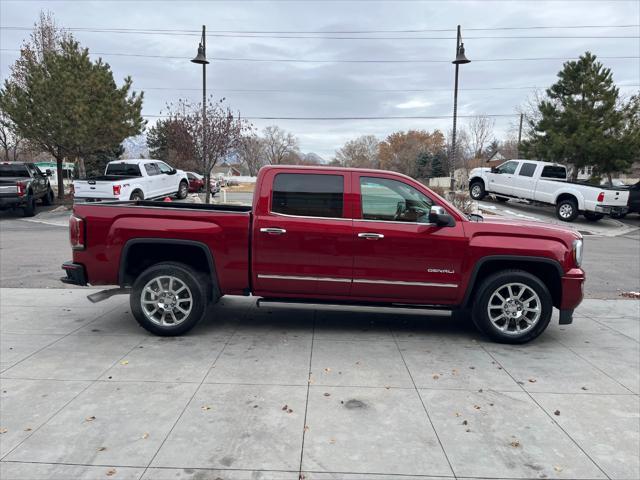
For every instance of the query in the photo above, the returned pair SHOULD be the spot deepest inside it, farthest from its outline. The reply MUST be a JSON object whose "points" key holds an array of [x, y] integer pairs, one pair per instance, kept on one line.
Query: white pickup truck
{"points": [[137, 179], [545, 182]]}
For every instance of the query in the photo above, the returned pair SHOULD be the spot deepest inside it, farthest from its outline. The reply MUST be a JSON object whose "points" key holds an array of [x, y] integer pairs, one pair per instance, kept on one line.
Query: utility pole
{"points": [[520, 133]]}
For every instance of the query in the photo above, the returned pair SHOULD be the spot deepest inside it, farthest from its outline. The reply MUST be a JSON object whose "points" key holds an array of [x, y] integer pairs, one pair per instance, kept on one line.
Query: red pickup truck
{"points": [[328, 235]]}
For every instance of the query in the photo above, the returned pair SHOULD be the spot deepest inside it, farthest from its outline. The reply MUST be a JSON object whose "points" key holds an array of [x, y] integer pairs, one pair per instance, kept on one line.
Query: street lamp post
{"points": [[460, 59], [201, 59]]}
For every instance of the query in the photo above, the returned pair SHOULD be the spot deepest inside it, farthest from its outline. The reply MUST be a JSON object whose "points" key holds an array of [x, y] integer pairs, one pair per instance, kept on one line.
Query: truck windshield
{"points": [[123, 169], [13, 170]]}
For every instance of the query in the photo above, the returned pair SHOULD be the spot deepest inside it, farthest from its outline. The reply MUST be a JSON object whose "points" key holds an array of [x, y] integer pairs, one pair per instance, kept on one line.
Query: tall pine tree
{"points": [[581, 121]]}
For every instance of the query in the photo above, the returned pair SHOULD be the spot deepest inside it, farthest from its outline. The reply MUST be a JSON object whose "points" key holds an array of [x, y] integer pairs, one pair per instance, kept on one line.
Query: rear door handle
{"points": [[370, 236], [273, 231]]}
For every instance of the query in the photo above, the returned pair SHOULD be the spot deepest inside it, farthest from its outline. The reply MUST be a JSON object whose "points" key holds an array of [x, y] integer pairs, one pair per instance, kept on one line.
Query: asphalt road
{"points": [[32, 250]]}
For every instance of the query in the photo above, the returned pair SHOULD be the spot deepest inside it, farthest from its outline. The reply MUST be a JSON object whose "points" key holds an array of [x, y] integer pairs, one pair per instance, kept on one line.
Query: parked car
{"points": [[545, 182], [328, 235], [196, 182], [22, 185], [133, 180], [634, 198]]}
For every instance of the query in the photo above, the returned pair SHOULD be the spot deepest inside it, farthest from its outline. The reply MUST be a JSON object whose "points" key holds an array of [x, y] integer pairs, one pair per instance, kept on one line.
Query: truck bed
{"points": [[114, 228]]}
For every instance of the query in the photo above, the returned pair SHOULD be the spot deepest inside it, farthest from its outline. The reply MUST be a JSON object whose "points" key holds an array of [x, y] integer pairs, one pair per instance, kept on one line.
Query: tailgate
{"points": [[94, 189], [615, 198]]}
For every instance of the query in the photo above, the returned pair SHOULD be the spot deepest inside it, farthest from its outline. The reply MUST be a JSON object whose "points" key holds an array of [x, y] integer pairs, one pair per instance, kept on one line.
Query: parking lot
{"points": [[302, 393]]}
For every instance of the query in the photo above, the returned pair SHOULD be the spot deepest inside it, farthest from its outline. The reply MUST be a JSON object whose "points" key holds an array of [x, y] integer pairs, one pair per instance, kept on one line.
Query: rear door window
{"points": [[527, 169], [554, 171], [309, 195]]}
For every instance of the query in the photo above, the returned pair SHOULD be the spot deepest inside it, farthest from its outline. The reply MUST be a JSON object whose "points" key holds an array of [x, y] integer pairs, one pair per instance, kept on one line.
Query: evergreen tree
{"points": [[581, 121], [438, 168], [96, 163], [70, 106]]}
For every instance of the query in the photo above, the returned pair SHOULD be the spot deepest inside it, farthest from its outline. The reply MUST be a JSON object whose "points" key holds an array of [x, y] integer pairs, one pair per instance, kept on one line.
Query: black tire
{"points": [[502, 199], [48, 198], [593, 217], [136, 195], [196, 290], [476, 190], [29, 210], [567, 210], [618, 215], [501, 280], [183, 190]]}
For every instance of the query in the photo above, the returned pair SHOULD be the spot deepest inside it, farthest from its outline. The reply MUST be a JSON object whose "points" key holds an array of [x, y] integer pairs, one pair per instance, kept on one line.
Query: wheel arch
{"points": [[549, 271], [188, 252], [477, 179], [570, 194]]}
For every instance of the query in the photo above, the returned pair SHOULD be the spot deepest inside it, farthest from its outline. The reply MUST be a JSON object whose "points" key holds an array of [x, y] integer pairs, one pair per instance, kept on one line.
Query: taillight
{"points": [[601, 197], [76, 232], [116, 190], [21, 188]]}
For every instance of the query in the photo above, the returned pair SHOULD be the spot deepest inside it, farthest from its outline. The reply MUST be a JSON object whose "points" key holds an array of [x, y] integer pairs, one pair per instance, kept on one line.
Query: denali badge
{"points": [[439, 270]]}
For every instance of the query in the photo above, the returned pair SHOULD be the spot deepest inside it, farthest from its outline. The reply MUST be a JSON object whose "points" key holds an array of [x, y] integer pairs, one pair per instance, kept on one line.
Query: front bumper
{"points": [[76, 274], [609, 209], [572, 294]]}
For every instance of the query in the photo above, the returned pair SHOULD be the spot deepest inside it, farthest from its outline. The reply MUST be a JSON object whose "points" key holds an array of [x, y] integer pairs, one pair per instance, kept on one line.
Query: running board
{"points": [[104, 294], [289, 302]]}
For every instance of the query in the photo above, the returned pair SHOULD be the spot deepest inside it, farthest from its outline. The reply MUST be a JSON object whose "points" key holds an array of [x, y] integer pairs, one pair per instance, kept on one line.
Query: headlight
{"points": [[577, 252]]}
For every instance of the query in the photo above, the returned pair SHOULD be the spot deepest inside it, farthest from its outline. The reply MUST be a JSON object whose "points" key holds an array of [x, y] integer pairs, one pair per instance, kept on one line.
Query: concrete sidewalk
{"points": [[278, 393]]}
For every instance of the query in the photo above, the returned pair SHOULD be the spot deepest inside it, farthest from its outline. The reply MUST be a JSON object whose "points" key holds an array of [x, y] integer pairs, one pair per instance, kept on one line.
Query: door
{"points": [[398, 255], [523, 182], [153, 180], [302, 242], [169, 180], [39, 182], [500, 179]]}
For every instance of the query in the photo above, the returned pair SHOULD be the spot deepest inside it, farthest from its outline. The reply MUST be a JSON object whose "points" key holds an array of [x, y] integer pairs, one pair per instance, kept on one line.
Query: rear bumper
{"points": [[11, 202], [76, 274], [608, 209], [572, 293]]}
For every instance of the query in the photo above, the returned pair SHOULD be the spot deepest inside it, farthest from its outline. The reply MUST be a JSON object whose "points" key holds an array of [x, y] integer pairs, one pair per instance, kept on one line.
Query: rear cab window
{"points": [[554, 171], [128, 169], [13, 170], [308, 195]]}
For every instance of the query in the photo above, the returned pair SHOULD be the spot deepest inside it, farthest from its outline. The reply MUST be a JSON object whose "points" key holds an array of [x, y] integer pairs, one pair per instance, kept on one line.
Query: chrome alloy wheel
{"points": [[184, 190], [514, 308], [476, 191], [565, 211], [166, 301]]}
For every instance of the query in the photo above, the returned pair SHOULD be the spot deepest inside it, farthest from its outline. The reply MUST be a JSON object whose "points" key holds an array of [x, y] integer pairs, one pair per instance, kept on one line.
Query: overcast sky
{"points": [[335, 88]]}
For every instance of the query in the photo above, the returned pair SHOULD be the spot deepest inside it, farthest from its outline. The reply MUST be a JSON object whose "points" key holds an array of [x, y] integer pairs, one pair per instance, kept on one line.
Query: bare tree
{"points": [[9, 139], [211, 140], [252, 153], [480, 134], [361, 152], [279, 145]]}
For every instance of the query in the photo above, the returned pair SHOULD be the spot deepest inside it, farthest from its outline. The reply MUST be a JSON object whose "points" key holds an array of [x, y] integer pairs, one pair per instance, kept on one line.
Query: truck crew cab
{"points": [[328, 235]]}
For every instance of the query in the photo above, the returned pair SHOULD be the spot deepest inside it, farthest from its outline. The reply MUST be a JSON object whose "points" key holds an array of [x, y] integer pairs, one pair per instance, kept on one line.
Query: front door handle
{"points": [[370, 236], [273, 231]]}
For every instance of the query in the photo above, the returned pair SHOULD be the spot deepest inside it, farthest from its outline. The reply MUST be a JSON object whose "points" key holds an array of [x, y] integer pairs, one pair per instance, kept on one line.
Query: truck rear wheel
{"points": [[29, 210], [567, 210], [593, 217], [512, 306], [168, 299], [476, 190]]}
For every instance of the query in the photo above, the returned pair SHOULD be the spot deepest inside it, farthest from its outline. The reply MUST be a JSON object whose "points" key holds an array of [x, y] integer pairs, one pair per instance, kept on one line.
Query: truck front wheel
{"points": [[476, 190], [168, 299], [512, 306]]}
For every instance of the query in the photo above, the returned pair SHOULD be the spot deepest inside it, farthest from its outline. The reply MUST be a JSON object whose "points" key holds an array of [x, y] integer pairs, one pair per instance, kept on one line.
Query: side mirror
{"points": [[173, 171], [440, 217], [494, 170], [48, 172]]}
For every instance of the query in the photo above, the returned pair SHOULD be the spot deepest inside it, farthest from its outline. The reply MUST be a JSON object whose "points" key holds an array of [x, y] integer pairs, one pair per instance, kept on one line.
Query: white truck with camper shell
{"points": [[138, 179], [544, 182]]}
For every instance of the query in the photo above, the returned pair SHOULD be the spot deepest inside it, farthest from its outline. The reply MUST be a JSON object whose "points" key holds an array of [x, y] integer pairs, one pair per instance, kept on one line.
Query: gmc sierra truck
{"points": [[324, 235]]}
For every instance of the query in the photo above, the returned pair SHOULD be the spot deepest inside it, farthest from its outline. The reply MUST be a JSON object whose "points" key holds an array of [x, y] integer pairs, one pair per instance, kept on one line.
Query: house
{"points": [[225, 170]]}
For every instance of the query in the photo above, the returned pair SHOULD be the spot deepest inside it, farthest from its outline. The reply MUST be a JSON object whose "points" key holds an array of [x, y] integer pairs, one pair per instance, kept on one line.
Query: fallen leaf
{"points": [[477, 407], [464, 422], [472, 368], [436, 377], [327, 370], [145, 435], [327, 394], [3, 430], [102, 449], [557, 468], [457, 414], [284, 409], [515, 444], [289, 410], [358, 363], [124, 362], [468, 430], [28, 429], [480, 391], [90, 419], [556, 413], [584, 388], [111, 472], [205, 407], [532, 380], [306, 428], [332, 440]]}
